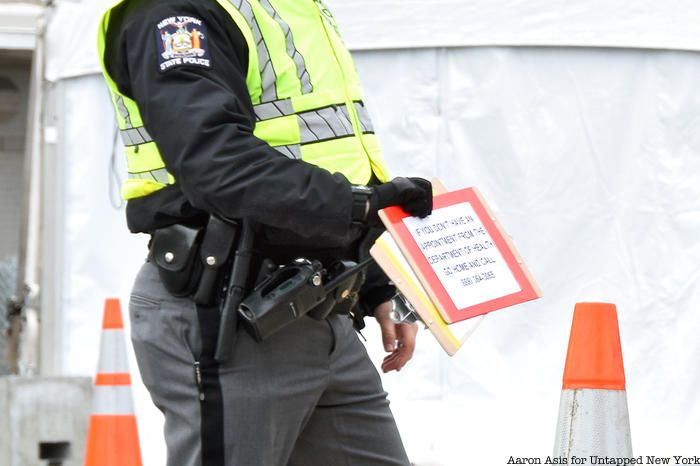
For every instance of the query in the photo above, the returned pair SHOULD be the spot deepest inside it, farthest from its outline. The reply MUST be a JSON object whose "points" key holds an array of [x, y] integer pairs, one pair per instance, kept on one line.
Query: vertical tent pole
{"points": [[23, 339]]}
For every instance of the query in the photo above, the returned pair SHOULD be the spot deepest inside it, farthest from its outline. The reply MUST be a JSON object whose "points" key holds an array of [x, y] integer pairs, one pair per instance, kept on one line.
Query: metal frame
{"points": [[18, 24], [21, 28]]}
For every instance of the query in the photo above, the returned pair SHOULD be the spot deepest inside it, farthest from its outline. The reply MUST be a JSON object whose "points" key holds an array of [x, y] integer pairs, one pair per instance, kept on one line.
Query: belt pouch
{"points": [[174, 251], [214, 253]]}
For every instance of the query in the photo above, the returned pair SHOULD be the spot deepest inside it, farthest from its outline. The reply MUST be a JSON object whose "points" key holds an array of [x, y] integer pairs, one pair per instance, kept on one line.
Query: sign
{"points": [[461, 256]]}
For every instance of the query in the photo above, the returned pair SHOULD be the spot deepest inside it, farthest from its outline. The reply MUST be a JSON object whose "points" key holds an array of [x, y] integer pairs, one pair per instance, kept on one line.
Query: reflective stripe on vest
{"points": [[302, 73], [280, 108], [267, 72], [303, 86], [135, 136]]}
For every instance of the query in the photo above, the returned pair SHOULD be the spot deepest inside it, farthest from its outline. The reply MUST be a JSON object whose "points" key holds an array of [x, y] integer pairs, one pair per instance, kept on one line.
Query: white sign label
{"points": [[463, 255]]}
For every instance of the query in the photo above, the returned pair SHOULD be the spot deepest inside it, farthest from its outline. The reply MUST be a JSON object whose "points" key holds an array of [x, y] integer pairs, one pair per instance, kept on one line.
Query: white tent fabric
{"points": [[589, 159], [398, 24], [387, 24]]}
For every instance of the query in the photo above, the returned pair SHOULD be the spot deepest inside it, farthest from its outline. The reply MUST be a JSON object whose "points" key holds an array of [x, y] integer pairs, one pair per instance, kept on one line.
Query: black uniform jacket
{"points": [[202, 120]]}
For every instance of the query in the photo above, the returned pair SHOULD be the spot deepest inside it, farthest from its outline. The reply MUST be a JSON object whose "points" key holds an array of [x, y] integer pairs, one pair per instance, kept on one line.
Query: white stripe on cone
{"points": [[112, 400], [113, 352], [593, 422]]}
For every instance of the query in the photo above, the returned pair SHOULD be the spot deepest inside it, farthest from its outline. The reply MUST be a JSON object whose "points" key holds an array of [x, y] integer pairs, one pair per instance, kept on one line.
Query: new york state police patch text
{"points": [[181, 41]]}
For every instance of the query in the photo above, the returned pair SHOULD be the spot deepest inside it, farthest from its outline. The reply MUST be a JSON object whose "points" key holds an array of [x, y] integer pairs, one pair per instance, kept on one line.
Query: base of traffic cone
{"points": [[593, 422], [112, 441]]}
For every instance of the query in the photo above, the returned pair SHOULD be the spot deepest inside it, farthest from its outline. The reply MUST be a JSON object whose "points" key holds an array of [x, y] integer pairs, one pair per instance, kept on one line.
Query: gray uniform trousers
{"points": [[307, 396]]}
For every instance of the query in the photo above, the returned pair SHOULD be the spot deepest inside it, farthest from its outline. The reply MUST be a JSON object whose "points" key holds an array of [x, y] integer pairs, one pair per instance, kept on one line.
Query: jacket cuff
{"points": [[376, 296]]}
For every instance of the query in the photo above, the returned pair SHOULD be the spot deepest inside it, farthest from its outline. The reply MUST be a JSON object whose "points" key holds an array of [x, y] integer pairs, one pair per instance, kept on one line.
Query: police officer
{"points": [[252, 109]]}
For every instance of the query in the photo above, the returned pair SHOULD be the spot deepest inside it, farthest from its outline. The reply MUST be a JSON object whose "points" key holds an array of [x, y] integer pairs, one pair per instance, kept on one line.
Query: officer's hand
{"points": [[414, 195], [398, 339]]}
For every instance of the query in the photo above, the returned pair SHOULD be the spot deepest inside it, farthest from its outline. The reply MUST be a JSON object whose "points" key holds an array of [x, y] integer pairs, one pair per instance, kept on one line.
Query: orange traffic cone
{"points": [[112, 435], [593, 417]]}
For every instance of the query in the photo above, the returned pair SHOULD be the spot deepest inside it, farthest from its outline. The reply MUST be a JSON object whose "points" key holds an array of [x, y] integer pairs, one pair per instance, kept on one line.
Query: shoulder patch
{"points": [[182, 41]]}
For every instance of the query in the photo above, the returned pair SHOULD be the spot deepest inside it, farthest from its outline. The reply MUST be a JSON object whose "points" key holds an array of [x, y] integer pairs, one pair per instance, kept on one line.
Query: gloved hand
{"points": [[414, 195]]}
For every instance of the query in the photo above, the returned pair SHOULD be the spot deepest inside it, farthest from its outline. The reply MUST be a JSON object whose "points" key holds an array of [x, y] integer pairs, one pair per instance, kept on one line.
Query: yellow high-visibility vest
{"points": [[303, 85]]}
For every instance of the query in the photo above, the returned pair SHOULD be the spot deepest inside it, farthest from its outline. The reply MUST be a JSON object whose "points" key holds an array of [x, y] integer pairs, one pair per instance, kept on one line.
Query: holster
{"points": [[215, 255]]}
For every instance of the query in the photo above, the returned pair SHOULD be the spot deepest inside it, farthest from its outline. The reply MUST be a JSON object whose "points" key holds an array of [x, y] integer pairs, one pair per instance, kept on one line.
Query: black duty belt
{"points": [[212, 265]]}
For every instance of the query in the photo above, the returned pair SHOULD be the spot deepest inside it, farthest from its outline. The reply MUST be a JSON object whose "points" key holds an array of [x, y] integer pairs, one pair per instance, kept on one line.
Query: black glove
{"points": [[414, 195]]}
